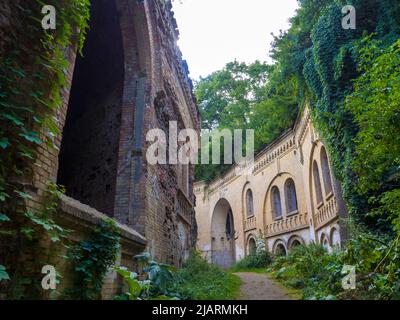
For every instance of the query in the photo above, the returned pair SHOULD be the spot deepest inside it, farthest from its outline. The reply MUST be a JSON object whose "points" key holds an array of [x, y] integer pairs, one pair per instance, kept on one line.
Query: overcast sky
{"points": [[215, 32]]}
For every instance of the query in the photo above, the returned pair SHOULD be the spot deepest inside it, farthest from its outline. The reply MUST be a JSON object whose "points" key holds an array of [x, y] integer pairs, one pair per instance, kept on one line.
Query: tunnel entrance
{"points": [[89, 150], [223, 235]]}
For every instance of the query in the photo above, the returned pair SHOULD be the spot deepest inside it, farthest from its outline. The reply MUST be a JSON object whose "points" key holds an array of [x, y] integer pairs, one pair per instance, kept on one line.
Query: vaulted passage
{"points": [[89, 150], [223, 235]]}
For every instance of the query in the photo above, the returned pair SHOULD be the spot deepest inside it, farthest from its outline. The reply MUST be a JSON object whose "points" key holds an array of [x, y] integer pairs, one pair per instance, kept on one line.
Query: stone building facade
{"points": [[130, 79], [287, 197]]}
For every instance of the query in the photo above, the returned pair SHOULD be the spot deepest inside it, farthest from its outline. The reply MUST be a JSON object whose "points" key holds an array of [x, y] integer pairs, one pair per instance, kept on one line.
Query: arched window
{"points": [[291, 197], [280, 250], [249, 203], [276, 203], [317, 183], [230, 228], [326, 173], [325, 242], [252, 247]]}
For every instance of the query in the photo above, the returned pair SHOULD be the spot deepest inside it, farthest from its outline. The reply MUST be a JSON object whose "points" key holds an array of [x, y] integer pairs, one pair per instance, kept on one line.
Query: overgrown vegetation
{"points": [[91, 260], [311, 269], [318, 274], [32, 73], [350, 79], [152, 283], [198, 280], [257, 260]]}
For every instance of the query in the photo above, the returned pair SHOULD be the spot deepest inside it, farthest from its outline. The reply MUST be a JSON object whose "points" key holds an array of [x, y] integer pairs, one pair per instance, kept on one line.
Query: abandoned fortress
{"points": [[287, 197], [130, 79]]}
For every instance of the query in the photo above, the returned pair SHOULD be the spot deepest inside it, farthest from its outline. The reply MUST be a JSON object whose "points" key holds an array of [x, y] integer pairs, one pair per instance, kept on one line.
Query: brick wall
{"points": [[131, 60]]}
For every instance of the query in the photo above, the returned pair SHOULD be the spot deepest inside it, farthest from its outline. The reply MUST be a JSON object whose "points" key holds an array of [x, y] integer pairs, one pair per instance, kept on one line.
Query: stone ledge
{"points": [[83, 213]]}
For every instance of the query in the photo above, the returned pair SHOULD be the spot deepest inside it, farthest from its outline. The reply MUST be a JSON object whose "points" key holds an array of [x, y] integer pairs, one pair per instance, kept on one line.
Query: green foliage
{"points": [[245, 97], [92, 259], [152, 284], [32, 73], [375, 104], [261, 259], [311, 269], [198, 280], [318, 274], [42, 222]]}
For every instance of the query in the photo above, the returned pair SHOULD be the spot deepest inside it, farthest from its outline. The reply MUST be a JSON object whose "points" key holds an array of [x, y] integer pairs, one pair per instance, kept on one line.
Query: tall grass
{"points": [[198, 280]]}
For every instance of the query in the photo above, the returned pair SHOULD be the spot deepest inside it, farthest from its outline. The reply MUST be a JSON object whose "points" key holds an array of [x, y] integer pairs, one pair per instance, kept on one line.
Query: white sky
{"points": [[215, 32]]}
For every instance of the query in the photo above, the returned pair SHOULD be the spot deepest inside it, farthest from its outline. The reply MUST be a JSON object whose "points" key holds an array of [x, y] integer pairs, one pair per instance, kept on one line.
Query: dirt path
{"points": [[259, 287]]}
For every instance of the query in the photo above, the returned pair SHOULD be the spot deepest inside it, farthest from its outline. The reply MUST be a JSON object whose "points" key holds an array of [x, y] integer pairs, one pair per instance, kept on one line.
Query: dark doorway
{"points": [[89, 150]]}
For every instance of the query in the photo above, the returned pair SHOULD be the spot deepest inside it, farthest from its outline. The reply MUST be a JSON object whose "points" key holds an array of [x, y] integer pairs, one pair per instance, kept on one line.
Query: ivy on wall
{"points": [[32, 73], [329, 70], [91, 260]]}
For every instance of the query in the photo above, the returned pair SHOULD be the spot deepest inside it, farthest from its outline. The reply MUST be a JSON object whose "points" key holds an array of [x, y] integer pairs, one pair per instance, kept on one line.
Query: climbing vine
{"points": [[32, 74], [91, 259]]}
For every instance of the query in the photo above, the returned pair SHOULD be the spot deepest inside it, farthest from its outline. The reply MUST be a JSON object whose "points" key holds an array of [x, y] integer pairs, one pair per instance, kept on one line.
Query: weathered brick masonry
{"points": [[131, 79]]}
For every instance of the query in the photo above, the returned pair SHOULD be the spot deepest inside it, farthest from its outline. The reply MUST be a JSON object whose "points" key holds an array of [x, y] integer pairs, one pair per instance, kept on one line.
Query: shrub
{"points": [[311, 269], [261, 259]]}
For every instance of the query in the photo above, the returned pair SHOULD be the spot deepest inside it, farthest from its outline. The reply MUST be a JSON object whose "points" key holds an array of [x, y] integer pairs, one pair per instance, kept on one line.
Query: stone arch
{"points": [[279, 248], [295, 241], [223, 235]]}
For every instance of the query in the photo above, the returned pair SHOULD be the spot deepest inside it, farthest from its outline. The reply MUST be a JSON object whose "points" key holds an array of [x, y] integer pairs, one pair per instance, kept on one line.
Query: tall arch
{"points": [[223, 235], [87, 163]]}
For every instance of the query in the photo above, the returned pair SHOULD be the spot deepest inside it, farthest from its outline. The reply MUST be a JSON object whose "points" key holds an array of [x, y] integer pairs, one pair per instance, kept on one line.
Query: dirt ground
{"points": [[259, 287]]}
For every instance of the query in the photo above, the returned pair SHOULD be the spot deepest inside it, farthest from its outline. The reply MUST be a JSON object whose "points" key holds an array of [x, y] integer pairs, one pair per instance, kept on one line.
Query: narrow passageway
{"points": [[259, 287]]}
